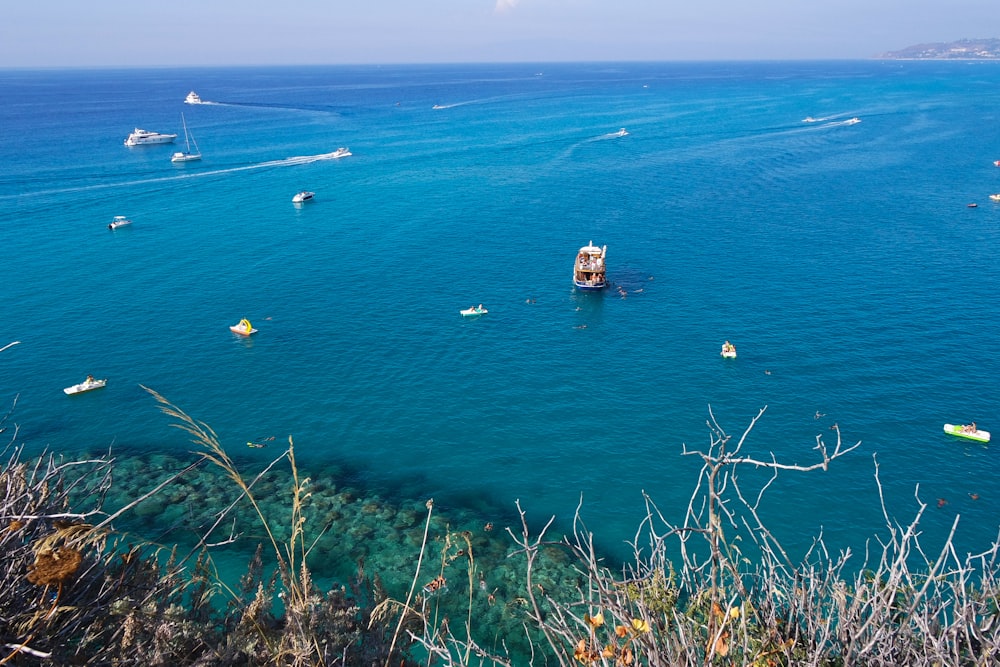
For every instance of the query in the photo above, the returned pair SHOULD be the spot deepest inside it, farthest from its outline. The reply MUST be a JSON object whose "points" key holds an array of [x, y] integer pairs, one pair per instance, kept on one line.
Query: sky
{"points": [[142, 33]]}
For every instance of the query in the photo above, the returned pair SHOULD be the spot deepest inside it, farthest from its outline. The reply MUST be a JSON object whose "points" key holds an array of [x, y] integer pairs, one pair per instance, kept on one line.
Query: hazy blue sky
{"points": [[54, 33]]}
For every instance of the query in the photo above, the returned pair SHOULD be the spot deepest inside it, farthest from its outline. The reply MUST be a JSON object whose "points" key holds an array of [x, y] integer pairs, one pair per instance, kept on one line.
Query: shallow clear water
{"points": [[841, 259]]}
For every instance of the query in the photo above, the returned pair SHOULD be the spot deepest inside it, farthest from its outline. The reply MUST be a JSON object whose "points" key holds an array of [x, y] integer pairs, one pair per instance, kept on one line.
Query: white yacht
{"points": [[142, 137], [119, 221], [303, 196], [192, 98]]}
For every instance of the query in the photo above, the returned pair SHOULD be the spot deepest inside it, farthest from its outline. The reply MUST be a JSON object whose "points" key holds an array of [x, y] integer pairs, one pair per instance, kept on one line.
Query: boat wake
{"points": [[484, 100], [269, 164], [831, 121], [438, 107], [612, 135]]}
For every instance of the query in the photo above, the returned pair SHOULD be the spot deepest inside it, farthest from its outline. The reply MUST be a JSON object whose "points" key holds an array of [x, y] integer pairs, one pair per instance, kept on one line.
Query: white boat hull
{"points": [[187, 155], [589, 268], [144, 137], [472, 312], [85, 386], [243, 328]]}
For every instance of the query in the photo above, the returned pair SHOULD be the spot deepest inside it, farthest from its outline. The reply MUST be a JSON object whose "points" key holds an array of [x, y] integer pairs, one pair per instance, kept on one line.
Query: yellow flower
{"points": [[595, 621], [734, 613], [640, 625]]}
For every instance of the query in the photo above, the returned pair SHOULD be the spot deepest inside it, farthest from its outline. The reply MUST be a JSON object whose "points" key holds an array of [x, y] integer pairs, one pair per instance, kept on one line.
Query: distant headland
{"points": [[962, 49]]}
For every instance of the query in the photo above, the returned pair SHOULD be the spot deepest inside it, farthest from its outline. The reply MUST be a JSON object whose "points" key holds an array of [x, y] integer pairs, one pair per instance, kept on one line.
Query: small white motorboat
{"points": [[119, 221], [967, 431], [244, 328], [995, 197], [303, 196], [728, 350], [475, 310], [192, 98], [87, 385], [622, 132]]}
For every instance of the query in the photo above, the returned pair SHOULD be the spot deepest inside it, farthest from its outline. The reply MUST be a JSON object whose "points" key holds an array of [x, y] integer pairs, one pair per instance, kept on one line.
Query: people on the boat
{"points": [[969, 428], [479, 307], [728, 348], [90, 378]]}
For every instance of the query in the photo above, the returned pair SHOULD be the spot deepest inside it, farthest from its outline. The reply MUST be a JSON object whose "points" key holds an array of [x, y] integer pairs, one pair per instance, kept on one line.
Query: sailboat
{"points": [[187, 155]]}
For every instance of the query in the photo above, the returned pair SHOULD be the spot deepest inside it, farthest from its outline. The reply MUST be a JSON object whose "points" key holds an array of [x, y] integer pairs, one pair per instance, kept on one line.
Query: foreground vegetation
{"points": [[715, 589]]}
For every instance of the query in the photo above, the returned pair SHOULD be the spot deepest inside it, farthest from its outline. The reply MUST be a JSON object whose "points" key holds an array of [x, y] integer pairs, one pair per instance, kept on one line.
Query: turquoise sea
{"points": [[840, 258]]}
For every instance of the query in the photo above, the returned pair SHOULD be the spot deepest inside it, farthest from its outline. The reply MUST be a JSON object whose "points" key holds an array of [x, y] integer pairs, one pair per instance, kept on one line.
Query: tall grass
{"points": [[691, 597], [78, 591]]}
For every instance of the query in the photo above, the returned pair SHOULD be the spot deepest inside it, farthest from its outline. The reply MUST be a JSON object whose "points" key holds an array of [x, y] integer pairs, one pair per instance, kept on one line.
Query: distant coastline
{"points": [[962, 49]]}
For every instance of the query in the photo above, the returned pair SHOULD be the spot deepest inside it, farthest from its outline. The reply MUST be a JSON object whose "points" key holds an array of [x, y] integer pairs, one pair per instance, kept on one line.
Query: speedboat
{"points": [[87, 385], [996, 163], [995, 197], [475, 310], [589, 268], [340, 152], [142, 137], [622, 132], [192, 98], [967, 431], [728, 350], [119, 221], [244, 328], [303, 196], [852, 121]]}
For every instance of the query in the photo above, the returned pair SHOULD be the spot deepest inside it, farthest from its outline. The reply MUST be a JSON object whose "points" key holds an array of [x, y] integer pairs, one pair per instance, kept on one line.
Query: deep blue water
{"points": [[841, 259]]}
